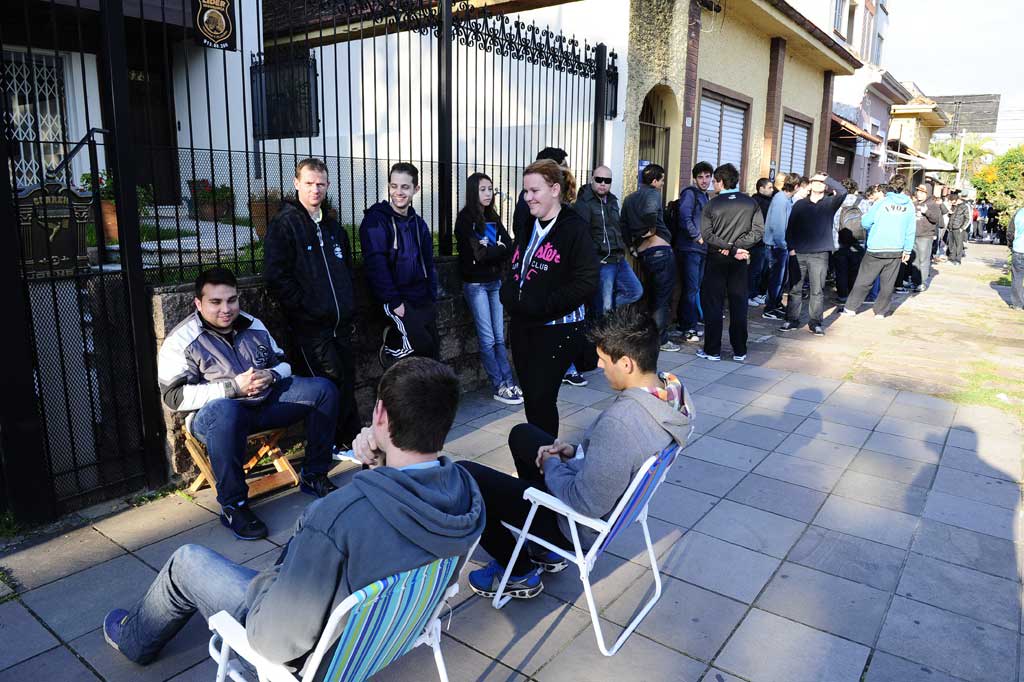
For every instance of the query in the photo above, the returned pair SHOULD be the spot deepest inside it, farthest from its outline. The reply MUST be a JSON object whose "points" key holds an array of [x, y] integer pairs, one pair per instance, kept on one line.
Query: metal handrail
{"points": [[74, 150]]}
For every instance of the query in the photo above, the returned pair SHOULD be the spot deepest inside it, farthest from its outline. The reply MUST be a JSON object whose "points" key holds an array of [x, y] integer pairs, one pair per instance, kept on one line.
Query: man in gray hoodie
{"points": [[411, 508], [652, 410]]}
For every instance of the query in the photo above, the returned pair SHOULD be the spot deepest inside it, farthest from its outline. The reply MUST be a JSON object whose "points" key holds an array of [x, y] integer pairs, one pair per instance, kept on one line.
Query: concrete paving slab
{"points": [[707, 477], [986, 464], [845, 415], [747, 382], [799, 471], [77, 604], [212, 535], [779, 497], [202, 672], [854, 403], [55, 664], [461, 662], [912, 429], [986, 442], [281, 513], [922, 400], [867, 521], [748, 434], [581, 395], [188, 648], [500, 422], [820, 429], [799, 653], [752, 528], [994, 491], [788, 405], [686, 618], [817, 450], [763, 372], [471, 407], [922, 415], [848, 556], [706, 422], [471, 442], [870, 393], [961, 590], [629, 544], [760, 416], [826, 602], [581, 419], [638, 659], [716, 675], [55, 557], [23, 636], [894, 468], [719, 566], [976, 516], [141, 526], [500, 458], [908, 448], [265, 560], [5, 591], [819, 383], [705, 371], [968, 548], [610, 577], [887, 668], [680, 506], [524, 635], [983, 418], [908, 499], [717, 407], [726, 453], [949, 642]]}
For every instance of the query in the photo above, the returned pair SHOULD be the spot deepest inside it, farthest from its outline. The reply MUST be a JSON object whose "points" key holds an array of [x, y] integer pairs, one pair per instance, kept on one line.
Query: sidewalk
{"points": [[831, 522]]}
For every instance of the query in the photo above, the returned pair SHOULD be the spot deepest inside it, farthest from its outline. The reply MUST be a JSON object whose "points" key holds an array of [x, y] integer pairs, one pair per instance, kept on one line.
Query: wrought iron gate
{"points": [[127, 110]]}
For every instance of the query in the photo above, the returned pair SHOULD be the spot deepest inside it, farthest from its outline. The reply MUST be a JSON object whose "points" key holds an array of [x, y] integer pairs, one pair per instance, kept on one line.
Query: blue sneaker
{"points": [[112, 627], [484, 581], [546, 560]]}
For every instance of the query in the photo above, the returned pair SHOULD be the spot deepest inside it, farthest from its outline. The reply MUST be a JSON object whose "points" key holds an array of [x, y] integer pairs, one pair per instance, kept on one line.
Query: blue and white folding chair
{"points": [[377, 624], [632, 507]]}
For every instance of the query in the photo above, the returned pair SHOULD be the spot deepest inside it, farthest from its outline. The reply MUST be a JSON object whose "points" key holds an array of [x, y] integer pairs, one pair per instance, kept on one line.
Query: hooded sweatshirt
{"points": [[398, 251], [386, 521], [634, 427], [890, 223]]}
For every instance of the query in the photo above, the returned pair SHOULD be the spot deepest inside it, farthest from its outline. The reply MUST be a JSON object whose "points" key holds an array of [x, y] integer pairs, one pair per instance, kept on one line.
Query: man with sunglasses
{"points": [[597, 205]]}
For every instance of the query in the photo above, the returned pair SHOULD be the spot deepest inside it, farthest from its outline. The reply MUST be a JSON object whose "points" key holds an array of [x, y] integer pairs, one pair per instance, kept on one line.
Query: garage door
{"points": [[720, 132], [793, 148]]}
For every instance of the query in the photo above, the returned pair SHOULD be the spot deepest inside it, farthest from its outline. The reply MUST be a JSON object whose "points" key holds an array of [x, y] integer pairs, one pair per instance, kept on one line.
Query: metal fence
{"points": [[136, 151]]}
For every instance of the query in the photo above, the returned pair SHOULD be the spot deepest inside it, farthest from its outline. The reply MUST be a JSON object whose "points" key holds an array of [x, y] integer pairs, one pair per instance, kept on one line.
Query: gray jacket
{"points": [[197, 364], [634, 427], [386, 521]]}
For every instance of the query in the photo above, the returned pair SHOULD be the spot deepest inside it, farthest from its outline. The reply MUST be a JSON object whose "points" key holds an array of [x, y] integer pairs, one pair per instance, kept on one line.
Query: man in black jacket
{"points": [[307, 269], [731, 225], [959, 223], [809, 236], [929, 217]]}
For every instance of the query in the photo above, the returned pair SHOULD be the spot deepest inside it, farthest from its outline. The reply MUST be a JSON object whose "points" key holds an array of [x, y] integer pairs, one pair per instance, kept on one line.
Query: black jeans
{"points": [[872, 267], [724, 276], [813, 267], [847, 259], [541, 355], [326, 355], [956, 245], [415, 333], [659, 264], [503, 499]]}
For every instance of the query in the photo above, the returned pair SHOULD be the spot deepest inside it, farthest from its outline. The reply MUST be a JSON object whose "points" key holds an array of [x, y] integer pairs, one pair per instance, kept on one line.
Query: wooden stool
{"points": [[266, 444]]}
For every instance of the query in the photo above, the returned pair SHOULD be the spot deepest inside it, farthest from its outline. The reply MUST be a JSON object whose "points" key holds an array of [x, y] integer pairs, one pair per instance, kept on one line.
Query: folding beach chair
{"points": [[632, 507], [372, 627]]}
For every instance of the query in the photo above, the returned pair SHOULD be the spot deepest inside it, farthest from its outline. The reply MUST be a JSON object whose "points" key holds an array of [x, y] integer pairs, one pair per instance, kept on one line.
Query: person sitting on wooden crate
{"points": [[224, 365]]}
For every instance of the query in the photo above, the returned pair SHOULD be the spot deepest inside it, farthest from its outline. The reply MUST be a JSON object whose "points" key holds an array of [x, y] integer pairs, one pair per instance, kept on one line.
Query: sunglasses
{"points": [[602, 181]]}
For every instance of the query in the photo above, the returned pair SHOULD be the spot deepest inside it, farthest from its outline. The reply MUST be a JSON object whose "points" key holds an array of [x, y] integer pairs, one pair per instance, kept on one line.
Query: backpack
{"points": [[849, 219]]}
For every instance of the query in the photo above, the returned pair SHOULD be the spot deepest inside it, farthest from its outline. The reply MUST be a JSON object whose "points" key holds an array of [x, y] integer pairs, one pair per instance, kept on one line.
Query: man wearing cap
{"points": [[929, 216]]}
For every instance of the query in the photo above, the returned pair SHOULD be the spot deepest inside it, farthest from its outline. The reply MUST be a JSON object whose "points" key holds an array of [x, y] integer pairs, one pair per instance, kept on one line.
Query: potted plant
{"points": [[212, 203], [263, 206], [108, 204]]}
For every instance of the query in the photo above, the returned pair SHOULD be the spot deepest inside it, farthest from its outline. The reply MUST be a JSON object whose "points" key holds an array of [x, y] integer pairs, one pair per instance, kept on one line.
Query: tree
{"points": [[976, 155], [1002, 181]]}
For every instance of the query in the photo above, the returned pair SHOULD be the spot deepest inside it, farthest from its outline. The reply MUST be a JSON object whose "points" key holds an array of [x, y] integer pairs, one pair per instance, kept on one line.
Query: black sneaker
{"points": [[317, 486], [574, 379], [816, 329], [241, 520], [788, 326], [773, 315]]}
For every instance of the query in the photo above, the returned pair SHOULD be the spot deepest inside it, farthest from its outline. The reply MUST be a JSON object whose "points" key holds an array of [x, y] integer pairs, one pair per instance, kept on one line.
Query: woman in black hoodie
{"points": [[484, 250], [554, 273]]}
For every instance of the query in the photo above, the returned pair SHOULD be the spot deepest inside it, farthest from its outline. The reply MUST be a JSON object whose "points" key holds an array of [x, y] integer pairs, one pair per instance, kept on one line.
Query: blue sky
{"points": [[952, 47]]}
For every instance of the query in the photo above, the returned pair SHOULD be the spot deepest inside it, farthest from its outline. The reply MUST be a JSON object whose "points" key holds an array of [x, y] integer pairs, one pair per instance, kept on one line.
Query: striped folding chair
{"points": [[632, 508], [377, 624]]}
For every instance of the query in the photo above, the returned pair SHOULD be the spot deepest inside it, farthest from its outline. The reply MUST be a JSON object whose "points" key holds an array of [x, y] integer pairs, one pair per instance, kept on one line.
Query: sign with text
{"points": [[53, 221], [214, 23]]}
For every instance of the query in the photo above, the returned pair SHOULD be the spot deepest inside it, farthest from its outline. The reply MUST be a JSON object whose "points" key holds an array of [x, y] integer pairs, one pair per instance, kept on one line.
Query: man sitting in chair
{"points": [[412, 508], [651, 411], [225, 366]]}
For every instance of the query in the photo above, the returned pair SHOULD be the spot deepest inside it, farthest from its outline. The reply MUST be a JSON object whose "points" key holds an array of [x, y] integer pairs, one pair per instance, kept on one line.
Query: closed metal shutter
{"points": [[793, 147], [720, 132]]}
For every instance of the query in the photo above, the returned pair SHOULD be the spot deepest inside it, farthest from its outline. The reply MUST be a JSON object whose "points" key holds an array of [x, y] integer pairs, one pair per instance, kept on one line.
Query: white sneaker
{"points": [[670, 347], [752, 302], [518, 391], [846, 312], [505, 395], [761, 299]]}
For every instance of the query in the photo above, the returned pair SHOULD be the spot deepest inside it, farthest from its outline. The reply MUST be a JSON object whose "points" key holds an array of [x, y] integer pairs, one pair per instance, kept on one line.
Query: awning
{"points": [[920, 161], [854, 129]]}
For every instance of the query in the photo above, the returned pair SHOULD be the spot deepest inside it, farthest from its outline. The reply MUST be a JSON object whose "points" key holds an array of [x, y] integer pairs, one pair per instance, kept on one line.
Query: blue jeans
{"points": [[224, 425], [619, 285], [489, 316], [660, 266], [755, 271], [691, 271], [778, 262], [193, 579]]}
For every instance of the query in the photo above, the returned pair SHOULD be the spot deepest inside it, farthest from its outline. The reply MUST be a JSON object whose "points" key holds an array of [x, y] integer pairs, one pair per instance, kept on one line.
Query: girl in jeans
{"points": [[484, 250]]}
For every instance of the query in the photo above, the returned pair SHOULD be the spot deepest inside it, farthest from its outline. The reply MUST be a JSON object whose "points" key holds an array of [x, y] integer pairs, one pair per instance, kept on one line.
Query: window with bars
{"points": [[721, 132], [793, 147], [285, 96], [34, 113]]}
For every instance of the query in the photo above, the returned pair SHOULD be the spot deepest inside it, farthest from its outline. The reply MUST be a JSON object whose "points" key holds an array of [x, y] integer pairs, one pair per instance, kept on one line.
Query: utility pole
{"points": [[960, 158]]}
